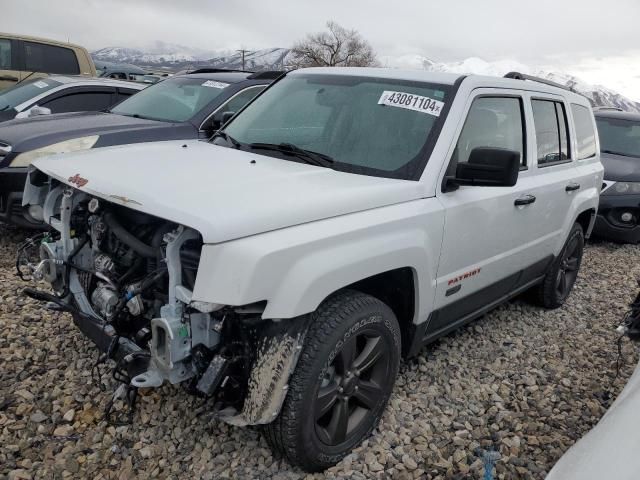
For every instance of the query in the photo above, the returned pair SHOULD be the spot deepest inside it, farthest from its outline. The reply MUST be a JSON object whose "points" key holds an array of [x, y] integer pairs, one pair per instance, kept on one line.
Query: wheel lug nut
{"points": [[340, 389], [355, 389]]}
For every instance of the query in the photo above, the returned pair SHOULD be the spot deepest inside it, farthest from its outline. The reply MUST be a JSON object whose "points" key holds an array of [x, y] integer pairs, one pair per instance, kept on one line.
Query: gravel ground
{"points": [[523, 381]]}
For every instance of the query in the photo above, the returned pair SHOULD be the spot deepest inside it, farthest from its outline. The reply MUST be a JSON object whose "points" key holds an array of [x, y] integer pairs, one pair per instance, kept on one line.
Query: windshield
{"points": [[172, 100], [373, 126], [619, 136], [23, 92]]}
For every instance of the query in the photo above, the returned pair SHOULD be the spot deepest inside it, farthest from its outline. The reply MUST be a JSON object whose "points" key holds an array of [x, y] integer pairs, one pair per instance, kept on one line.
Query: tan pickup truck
{"points": [[22, 56]]}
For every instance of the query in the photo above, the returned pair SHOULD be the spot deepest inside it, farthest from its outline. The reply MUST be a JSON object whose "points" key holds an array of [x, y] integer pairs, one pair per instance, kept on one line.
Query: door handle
{"points": [[572, 187], [524, 200], [9, 78]]}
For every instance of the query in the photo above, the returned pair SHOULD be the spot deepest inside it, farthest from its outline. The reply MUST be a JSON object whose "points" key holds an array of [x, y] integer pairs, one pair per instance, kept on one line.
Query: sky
{"points": [[592, 39]]}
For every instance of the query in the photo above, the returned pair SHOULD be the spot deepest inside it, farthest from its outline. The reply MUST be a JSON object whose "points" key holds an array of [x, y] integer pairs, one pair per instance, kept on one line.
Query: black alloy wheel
{"points": [[354, 384]]}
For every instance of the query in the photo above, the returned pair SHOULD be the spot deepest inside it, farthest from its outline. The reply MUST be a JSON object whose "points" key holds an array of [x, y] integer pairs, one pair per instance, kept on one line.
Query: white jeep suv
{"points": [[340, 221]]}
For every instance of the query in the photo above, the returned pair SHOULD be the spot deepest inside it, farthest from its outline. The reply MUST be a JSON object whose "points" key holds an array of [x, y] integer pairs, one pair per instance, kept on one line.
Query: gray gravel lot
{"points": [[524, 381]]}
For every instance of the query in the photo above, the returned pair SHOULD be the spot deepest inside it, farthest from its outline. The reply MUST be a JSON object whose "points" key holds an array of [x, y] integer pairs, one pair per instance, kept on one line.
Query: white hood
{"points": [[219, 191]]}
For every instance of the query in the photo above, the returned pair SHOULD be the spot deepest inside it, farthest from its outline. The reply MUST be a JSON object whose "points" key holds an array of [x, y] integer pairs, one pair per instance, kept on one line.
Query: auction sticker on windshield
{"points": [[411, 101], [214, 84], [41, 84]]}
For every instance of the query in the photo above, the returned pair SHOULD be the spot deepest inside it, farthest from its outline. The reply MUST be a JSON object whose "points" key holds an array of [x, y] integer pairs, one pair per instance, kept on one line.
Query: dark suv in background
{"points": [[188, 106], [619, 212]]}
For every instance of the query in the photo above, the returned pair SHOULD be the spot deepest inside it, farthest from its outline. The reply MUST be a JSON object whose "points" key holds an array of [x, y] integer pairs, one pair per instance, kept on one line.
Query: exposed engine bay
{"points": [[127, 279]]}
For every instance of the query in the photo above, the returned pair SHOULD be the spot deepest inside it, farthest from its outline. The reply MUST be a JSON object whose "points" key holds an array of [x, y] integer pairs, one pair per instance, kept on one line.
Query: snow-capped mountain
{"points": [[177, 57], [598, 94], [266, 59], [159, 53], [162, 54]]}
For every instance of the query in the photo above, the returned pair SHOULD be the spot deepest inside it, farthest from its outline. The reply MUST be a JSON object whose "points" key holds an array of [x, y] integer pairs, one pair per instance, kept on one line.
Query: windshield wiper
{"points": [[617, 153], [312, 158], [227, 137], [6, 107]]}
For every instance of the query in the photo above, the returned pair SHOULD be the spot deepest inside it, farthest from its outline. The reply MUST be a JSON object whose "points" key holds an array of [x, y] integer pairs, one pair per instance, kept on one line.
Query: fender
{"points": [[295, 269]]}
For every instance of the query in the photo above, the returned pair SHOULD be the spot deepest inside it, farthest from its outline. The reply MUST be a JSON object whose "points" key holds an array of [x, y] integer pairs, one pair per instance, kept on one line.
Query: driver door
{"points": [[489, 238]]}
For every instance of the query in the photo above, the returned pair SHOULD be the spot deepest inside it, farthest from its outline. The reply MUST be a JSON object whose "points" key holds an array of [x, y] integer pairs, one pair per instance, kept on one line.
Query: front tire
{"points": [[342, 383], [559, 280]]}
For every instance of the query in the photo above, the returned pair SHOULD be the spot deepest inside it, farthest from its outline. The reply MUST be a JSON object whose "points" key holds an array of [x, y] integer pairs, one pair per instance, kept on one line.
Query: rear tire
{"points": [[342, 383], [559, 280]]}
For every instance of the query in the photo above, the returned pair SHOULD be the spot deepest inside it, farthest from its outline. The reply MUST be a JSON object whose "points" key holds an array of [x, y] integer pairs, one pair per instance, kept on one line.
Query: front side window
{"points": [[241, 99], [585, 133], [233, 105], [373, 126], [23, 92], [80, 102], [173, 100], [5, 54], [619, 136], [492, 122], [552, 139], [40, 57]]}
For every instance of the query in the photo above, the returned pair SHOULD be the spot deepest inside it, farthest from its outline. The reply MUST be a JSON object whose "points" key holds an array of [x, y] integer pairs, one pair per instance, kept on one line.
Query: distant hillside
{"points": [[177, 57]]}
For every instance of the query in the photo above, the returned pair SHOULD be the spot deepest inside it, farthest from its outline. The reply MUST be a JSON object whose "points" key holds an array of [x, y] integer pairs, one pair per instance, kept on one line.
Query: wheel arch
{"points": [[396, 288], [587, 219]]}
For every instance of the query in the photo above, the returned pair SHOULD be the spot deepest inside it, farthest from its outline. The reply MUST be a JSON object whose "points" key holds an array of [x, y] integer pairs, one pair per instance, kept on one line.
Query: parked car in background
{"points": [[23, 57], [62, 94], [343, 219], [181, 107], [619, 213], [120, 71]]}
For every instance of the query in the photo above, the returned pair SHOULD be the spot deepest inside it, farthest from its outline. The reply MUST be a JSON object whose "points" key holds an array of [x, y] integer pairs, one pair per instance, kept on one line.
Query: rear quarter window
{"points": [[585, 132], [40, 57]]}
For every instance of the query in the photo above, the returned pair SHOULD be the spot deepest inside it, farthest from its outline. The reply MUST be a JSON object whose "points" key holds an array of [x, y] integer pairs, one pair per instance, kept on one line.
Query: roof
{"points": [[69, 79], [39, 39], [391, 73], [227, 77], [617, 114], [476, 81]]}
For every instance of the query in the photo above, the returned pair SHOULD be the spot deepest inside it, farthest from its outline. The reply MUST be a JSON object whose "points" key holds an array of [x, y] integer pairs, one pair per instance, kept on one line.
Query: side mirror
{"points": [[487, 167], [218, 121], [37, 111], [226, 116]]}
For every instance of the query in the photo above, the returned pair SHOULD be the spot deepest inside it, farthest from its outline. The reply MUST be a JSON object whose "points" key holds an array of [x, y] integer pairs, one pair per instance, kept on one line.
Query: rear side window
{"points": [[39, 57], [81, 102], [552, 138], [5, 54], [492, 122], [585, 133]]}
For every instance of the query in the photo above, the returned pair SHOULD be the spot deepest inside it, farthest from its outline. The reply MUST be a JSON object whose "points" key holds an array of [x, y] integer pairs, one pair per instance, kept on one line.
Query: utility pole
{"points": [[242, 51]]}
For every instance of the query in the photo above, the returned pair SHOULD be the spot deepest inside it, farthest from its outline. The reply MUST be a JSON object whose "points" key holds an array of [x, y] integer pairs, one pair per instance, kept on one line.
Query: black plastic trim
{"points": [[450, 317]]}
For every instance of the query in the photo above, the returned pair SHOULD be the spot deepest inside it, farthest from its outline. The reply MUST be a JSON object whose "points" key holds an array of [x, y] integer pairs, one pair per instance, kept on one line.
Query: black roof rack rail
{"points": [[266, 75], [522, 76], [216, 70]]}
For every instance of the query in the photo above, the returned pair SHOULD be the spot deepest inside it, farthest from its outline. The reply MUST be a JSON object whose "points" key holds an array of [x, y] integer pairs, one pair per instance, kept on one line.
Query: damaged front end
{"points": [[127, 279]]}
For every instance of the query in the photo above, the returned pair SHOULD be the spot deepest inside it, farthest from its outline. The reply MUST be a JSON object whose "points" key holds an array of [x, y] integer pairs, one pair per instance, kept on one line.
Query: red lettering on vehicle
{"points": [[464, 276]]}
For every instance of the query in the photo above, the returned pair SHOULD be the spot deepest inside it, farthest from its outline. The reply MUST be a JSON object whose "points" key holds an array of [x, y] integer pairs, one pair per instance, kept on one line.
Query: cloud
{"points": [[549, 32]]}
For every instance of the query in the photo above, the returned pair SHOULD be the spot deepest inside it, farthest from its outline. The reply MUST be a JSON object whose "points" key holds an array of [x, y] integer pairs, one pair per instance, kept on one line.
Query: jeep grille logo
{"points": [[78, 180]]}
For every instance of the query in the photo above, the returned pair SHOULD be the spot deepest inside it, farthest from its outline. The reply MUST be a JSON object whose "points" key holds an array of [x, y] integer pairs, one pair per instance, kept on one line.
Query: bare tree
{"points": [[337, 47]]}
